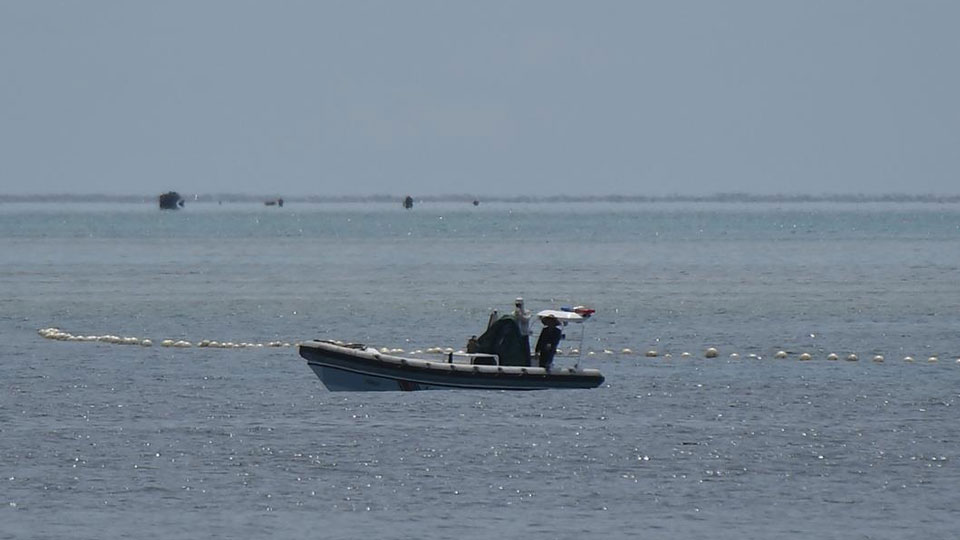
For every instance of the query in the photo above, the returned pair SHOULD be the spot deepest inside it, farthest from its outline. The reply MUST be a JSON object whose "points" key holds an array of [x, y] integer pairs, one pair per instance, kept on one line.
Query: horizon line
{"points": [[390, 198]]}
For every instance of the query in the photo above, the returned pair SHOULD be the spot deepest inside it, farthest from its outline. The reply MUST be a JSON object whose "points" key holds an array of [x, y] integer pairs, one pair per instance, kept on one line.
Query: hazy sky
{"points": [[480, 97]]}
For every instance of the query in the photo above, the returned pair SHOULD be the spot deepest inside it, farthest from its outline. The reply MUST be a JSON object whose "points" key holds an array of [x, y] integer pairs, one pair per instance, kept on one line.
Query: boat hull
{"points": [[353, 368]]}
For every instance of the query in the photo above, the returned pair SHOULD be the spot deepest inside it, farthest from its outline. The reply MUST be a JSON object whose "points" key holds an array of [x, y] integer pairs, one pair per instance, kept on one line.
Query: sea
{"points": [[109, 441]]}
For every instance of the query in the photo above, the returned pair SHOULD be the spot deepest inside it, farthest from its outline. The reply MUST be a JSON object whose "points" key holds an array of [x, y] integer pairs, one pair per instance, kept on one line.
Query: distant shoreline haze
{"points": [[318, 199]]}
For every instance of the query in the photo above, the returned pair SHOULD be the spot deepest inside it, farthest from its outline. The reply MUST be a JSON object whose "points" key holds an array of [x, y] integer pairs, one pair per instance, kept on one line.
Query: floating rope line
{"points": [[55, 333], [59, 335]]}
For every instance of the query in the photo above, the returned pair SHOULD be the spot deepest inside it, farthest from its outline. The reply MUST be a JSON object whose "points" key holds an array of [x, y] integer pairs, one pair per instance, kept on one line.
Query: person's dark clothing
{"points": [[547, 345], [504, 340]]}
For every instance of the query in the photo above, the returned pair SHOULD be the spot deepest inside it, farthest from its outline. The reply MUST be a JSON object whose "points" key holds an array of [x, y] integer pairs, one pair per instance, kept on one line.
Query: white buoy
{"points": [[908, 359], [166, 343], [626, 351], [852, 357], [710, 353], [878, 358], [591, 353], [780, 354], [804, 357], [668, 355], [607, 351], [204, 343], [932, 359], [734, 355], [833, 356], [685, 355], [651, 353], [146, 343]]}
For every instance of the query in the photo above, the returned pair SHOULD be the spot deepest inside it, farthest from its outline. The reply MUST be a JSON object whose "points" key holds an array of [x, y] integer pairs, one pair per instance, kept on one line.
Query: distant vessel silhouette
{"points": [[408, 202], [171, 200], [276, 202]]}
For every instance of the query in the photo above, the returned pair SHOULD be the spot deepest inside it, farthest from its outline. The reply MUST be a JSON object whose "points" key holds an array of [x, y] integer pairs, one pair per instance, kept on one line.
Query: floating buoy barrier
{"points": [[56, 334], [59, 335]]}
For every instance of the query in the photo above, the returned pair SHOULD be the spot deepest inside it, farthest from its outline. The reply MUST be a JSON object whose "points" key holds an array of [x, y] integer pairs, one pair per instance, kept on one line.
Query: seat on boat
{"points": [[483, 360]]}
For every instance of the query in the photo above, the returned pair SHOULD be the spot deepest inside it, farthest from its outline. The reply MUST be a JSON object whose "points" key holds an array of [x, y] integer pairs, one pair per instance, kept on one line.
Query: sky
{"points": [[498, 98]]}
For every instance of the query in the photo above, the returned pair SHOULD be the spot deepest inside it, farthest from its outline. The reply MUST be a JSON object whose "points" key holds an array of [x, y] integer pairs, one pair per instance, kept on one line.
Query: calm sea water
{"points": [[108, 441]]}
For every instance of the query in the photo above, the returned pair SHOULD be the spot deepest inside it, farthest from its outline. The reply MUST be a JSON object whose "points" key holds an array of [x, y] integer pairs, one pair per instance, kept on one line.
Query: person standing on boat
{"points": [[550, 337], [523, 321]]}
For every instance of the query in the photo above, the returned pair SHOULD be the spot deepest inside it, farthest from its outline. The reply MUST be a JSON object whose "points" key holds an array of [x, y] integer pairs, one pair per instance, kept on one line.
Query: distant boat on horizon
{"points": [[170, 200]]}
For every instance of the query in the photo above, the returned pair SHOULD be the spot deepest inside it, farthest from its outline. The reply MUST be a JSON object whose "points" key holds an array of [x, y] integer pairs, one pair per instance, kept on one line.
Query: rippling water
{"points": [[108, 441]]}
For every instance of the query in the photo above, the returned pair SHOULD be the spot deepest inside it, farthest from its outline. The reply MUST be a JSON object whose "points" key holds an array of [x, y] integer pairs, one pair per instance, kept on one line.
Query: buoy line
{"points": [[57, 334]]}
